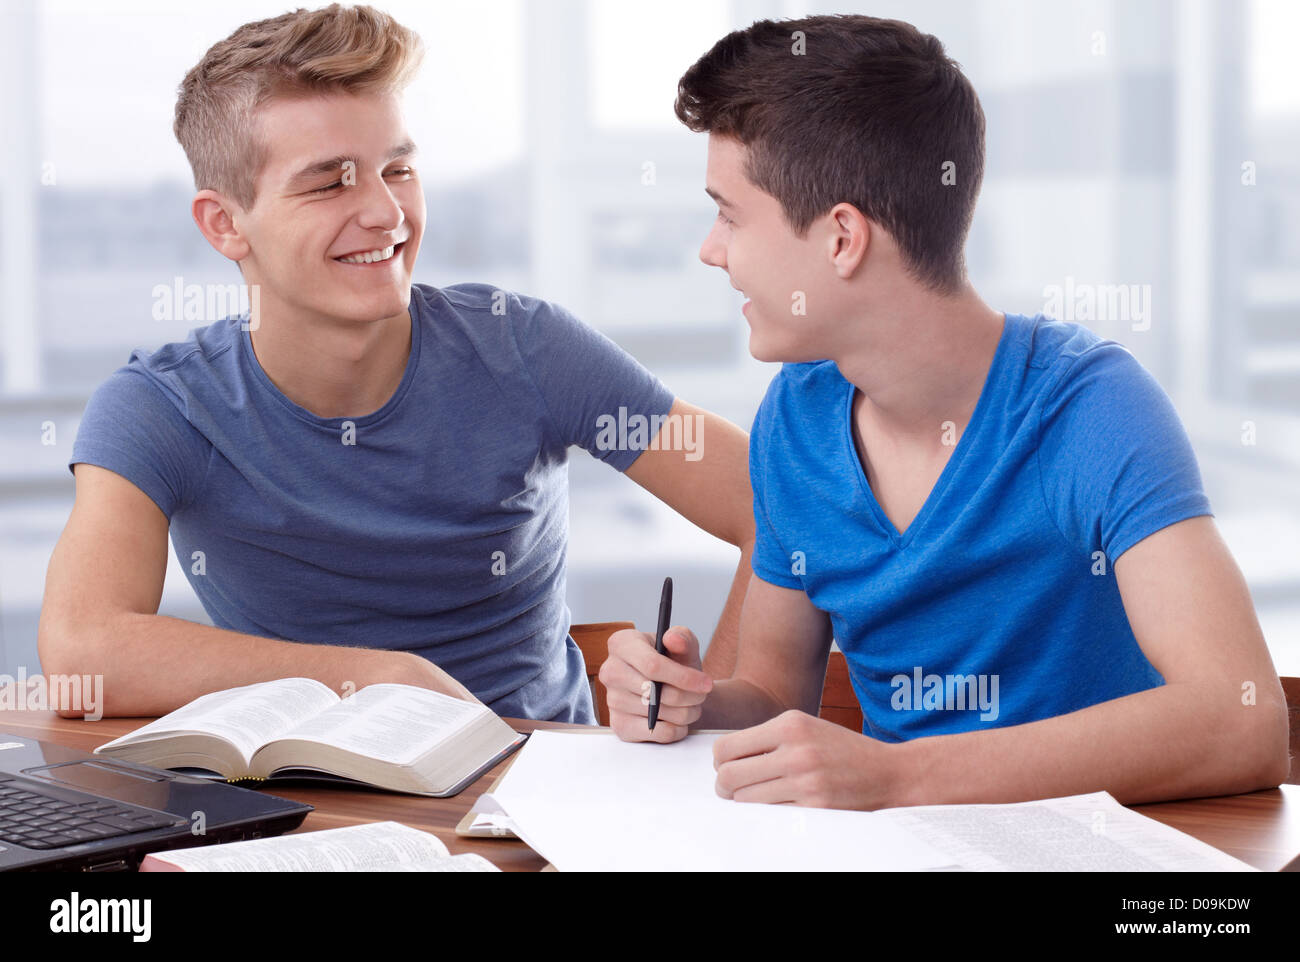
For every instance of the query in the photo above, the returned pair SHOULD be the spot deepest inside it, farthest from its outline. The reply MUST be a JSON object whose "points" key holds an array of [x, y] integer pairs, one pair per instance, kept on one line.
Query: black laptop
{"points": [[64, 809]]}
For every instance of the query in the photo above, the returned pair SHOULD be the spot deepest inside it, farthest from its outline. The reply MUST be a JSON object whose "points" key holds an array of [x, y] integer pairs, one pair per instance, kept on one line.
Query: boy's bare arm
{"points": [[709, 486], [99, 617]]}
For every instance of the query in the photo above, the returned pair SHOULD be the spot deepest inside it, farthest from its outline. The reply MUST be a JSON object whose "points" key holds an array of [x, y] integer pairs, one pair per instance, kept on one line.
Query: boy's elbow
{"points": [[57, 646], [1269, 747], [736, 526], [1277, 768], [67, 655], [1275, 771]]}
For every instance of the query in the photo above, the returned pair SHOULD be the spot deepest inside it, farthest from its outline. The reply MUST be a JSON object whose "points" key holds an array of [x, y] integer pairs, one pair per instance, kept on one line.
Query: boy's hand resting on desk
{"points": [[796, 758], [408, 668], [633, 666]]}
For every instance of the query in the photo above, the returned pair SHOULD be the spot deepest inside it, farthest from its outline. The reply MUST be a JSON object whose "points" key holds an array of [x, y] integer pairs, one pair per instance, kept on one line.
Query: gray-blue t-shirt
{"points": [[436, 524]]}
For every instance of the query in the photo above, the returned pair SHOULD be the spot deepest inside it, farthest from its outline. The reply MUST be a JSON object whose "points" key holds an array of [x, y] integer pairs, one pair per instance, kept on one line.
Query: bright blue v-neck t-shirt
{"points": [[998, 604], [437, 524]]}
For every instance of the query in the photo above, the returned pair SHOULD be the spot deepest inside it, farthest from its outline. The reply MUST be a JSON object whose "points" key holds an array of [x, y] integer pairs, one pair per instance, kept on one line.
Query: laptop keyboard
{"points": [[32, 818]]}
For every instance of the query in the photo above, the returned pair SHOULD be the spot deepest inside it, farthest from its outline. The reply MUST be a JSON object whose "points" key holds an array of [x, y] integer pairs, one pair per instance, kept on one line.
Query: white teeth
{"points": [[369, 257]]}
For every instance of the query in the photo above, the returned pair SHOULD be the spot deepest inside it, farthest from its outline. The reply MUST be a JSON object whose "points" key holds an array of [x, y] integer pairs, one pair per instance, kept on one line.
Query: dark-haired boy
{"points": [[999, 518]]}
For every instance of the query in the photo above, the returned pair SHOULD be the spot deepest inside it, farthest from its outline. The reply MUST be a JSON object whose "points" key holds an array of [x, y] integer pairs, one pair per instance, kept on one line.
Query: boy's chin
{"points": [[772, 351], [372, 306]]}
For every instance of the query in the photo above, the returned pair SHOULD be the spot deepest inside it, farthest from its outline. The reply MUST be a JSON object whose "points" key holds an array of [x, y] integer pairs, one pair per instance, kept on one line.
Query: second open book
{"points": [[397, 737]]}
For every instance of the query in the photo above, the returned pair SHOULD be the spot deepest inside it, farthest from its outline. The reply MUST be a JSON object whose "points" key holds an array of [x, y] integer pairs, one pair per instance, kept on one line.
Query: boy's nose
{"points": [[713, 252]]}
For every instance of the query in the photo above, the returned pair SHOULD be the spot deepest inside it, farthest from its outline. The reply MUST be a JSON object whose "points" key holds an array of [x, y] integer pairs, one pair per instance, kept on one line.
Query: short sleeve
{"points": [[1115, 462], [133, 429], [769, 560], [596, 394]]}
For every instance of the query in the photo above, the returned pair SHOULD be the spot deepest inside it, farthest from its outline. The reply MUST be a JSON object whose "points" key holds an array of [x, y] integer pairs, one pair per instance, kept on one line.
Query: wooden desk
{"points": [[1260, 828]]}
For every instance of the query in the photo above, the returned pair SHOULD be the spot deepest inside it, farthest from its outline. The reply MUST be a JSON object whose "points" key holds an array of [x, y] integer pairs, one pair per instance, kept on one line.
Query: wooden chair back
{"points": [[839, 700], [1291, 689], [593, 642]]}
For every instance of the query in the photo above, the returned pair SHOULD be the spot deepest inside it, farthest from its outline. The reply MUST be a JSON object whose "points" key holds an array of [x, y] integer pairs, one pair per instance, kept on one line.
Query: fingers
{"points": [[742, 778], [759, 740], [636, 648], [633, 666], [633, 728], [626, 679], [632, 661], [773, 791], [447, 685], [682, 645], [638, 705], [793, 758]]}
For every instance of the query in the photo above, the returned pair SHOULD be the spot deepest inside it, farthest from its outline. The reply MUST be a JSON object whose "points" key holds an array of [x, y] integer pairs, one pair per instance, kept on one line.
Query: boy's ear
{"points": [[850, 237], [214, 213]]}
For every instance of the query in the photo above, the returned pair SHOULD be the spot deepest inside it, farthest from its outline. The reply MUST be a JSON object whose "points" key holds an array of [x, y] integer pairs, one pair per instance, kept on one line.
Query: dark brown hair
{"points": [[869, 113]]}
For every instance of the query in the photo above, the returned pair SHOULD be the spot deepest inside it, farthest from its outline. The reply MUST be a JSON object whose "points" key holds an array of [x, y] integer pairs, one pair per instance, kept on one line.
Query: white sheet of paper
{"points": [[590, 802]]}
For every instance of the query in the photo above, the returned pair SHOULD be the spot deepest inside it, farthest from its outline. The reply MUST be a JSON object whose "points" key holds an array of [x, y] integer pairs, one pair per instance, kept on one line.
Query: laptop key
{"points": [[79, 834], [100, 831], [56, 839]]}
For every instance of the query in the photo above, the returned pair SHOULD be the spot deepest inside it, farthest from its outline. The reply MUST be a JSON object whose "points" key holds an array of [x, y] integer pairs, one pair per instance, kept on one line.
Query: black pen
{"points": [[665, 616]]}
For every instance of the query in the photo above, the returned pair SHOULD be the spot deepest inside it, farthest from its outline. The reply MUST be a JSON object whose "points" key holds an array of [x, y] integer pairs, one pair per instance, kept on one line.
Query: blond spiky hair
{"points": [[306, 52]]}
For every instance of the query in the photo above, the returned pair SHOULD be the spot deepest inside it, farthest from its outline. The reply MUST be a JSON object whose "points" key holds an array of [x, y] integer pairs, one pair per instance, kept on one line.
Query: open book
{"points": [[397, 737], [377, 847]]}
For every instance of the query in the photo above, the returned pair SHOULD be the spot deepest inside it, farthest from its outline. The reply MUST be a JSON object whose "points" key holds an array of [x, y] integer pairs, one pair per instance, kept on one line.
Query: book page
{"points": [[248, 717], [468, 862], [392, 723], [1081, 833], [378, 846]]}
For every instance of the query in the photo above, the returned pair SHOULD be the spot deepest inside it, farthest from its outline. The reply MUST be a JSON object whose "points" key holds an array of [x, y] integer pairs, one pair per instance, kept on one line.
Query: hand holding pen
{"points": [[656, 685]]}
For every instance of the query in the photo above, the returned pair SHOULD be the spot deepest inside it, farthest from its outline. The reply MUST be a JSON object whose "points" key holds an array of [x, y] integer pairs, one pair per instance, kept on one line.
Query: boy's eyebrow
{"points": [[333, 164], [722, 201]]}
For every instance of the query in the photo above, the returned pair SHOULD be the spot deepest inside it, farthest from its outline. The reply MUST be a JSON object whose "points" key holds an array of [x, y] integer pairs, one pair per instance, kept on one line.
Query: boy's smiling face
{"points": [[786, 278], [313, 209]]}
